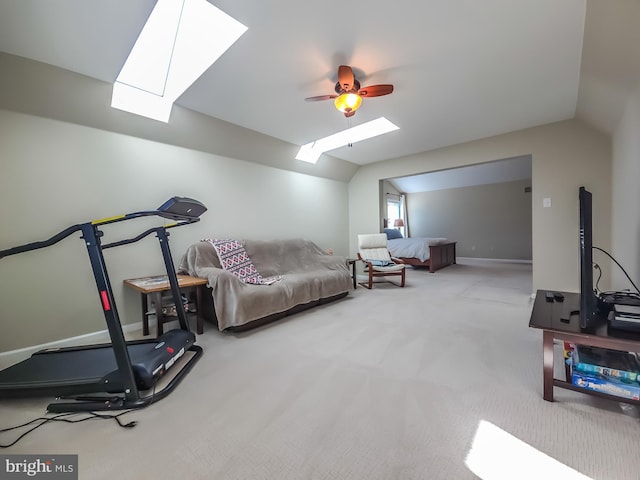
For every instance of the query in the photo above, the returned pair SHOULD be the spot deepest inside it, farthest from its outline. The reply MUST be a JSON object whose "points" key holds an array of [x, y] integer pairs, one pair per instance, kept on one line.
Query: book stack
{"points": [[606, 371]]}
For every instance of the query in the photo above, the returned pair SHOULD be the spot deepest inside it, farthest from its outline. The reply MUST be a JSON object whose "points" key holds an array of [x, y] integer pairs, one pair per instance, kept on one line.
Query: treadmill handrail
{"points": [[41, 244], [182, 220], [144, 213], [151, 230]]}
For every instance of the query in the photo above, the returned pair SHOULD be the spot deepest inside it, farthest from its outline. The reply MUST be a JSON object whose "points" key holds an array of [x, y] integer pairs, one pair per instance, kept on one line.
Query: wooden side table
{"points": [[151, 288], [352, 263]]}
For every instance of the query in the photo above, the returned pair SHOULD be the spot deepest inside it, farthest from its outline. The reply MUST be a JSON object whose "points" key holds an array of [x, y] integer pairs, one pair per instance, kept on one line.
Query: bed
{"points": [[434, 253]]}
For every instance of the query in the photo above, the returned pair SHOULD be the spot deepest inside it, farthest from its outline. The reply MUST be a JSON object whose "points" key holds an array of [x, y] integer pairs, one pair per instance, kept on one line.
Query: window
{"points": [[395, 210]]}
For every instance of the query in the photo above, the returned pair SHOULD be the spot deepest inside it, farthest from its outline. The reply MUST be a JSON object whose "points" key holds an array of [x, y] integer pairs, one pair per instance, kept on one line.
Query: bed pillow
{"points": [[392, 233]]}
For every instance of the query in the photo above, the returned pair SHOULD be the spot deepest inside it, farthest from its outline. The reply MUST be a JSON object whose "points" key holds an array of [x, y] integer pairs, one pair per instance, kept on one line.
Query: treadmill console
{"points": [[180, 208]]}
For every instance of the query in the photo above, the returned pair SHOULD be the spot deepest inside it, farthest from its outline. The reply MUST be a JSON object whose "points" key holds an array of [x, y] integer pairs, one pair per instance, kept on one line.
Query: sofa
{"points": [[303, 276]]}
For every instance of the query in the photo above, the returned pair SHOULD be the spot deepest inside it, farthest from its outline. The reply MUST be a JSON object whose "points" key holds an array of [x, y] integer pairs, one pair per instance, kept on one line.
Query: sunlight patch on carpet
{"points": [[496, 455]]}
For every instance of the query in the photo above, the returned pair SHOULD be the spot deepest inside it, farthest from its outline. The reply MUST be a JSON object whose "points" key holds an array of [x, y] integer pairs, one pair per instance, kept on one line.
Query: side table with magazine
{"points": [[154, 303]]}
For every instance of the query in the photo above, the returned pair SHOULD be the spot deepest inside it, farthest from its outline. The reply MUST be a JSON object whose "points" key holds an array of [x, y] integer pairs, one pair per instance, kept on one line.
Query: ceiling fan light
{"points": [[348, 102]]}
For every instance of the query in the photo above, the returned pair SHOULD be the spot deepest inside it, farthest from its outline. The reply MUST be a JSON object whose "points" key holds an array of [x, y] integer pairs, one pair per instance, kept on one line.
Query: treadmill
{"points": [[111, 376]]}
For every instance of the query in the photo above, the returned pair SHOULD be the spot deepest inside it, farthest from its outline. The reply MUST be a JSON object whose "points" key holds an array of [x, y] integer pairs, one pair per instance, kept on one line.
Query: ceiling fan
{"points": [[348, 97]]}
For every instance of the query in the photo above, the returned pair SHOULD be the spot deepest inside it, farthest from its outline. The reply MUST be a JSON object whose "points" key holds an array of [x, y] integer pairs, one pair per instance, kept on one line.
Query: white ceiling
{"points": [[509, 170], [462, 69]]}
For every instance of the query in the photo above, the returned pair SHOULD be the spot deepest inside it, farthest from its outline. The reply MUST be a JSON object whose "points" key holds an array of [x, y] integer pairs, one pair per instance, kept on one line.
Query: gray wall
{"points": [[565, 155], [625, 209], [67, 157], [36, 88], [56, 174], [486, 221]]}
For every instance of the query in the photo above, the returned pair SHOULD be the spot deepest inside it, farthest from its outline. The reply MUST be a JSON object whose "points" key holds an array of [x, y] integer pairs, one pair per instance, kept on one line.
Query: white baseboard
{"points": [[502, 260], [102, 336]]}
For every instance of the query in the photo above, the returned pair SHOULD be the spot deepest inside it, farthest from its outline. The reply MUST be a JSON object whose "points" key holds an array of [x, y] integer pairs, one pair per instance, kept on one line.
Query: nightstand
{"points": [[151, 290]]}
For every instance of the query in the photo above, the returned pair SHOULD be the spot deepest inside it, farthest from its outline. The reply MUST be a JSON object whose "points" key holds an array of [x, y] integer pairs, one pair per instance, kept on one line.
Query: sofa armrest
{"points": [[218, 276]]}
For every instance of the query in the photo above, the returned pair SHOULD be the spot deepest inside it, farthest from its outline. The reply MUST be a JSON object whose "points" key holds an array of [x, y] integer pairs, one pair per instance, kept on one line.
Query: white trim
{"points": [[502, 260], [102, 336]]}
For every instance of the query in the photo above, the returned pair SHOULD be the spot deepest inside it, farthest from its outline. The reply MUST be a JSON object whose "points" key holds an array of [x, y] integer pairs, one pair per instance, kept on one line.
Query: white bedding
{"points": [[415, 247]]}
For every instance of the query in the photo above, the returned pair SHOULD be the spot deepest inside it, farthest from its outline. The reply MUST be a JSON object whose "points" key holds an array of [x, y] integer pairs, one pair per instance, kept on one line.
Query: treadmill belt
{"points": [[92, 369], [63, 367]]}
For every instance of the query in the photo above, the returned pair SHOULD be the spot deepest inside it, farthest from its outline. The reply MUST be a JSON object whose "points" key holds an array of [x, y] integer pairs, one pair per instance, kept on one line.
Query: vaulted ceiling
{"points": [[462, 70]]}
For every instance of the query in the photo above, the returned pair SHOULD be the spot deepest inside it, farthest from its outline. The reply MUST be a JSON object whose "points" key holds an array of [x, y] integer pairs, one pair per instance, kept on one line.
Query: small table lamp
{"points": [[398, 222]]}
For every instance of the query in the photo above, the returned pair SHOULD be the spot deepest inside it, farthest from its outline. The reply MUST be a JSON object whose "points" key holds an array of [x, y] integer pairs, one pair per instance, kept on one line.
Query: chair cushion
{"points": [[396, 267], [372, 240], [375, 254]]}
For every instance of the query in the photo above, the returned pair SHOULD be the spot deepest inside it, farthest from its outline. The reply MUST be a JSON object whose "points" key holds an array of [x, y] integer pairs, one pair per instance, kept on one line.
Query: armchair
{"points": [[373, 251]]}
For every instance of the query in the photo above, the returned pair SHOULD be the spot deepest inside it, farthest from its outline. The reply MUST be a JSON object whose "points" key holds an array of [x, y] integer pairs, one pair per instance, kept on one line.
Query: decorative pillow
{"points": [[392, 233], [234, 259]]}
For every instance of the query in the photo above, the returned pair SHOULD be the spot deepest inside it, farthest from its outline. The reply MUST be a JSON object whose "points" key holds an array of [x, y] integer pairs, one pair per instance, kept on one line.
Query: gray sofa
{"points": [[310, 277]]}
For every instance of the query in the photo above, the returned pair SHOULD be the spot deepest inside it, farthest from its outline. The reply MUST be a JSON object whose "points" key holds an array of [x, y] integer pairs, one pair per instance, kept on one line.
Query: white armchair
{"points": [[373, 251]]}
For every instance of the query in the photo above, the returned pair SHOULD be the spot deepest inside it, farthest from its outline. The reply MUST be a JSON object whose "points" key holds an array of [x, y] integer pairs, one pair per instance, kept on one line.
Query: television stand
{"points": [[548, 317]]}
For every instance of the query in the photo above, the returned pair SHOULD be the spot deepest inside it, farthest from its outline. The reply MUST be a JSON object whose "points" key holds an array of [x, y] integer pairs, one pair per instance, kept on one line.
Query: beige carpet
{"points": [[439, 380]]}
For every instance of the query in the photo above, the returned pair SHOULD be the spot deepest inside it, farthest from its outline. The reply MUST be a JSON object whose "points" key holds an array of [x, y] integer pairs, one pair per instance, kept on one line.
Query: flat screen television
{"points": [[588, 300]]}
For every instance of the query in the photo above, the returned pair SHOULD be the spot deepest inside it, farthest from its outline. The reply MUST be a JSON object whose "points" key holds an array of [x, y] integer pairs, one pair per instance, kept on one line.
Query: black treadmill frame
{"points": [[130, 397]]}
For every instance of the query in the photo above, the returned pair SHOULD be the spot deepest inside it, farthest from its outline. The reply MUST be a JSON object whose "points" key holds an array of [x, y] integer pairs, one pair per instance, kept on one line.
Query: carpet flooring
{"points": [[441, 379]]}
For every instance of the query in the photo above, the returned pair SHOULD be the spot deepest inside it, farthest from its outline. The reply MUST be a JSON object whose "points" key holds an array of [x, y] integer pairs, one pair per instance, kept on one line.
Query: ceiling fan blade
{"points": [[345, 77], [320, 97], [375, 90]]}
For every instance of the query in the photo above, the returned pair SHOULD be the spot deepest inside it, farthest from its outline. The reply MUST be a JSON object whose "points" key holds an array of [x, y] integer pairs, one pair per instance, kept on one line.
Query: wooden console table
{"points": [[151, 288], [556, 321]]}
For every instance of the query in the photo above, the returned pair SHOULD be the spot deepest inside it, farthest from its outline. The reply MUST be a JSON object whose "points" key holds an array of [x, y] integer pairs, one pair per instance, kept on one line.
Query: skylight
{"points": [[179, 42], [311, 152]]}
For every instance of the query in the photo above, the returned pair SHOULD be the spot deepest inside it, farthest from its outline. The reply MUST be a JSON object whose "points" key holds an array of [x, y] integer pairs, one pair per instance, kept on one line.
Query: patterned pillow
{"points": [[234, 259]]}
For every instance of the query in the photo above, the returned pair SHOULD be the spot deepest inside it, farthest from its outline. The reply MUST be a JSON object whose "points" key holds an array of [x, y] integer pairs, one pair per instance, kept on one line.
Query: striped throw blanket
{"points": [[234, 259]]}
